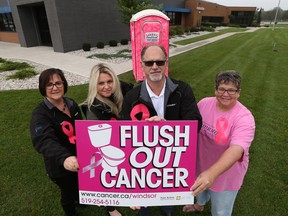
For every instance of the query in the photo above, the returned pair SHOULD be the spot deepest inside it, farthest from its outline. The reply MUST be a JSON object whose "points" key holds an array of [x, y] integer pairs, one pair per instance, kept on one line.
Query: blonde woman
{"points": [[105, 94], [104, 100]]}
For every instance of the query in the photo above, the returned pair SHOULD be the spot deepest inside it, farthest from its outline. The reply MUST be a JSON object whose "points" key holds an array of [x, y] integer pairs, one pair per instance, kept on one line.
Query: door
{"points": [[43, 26]]}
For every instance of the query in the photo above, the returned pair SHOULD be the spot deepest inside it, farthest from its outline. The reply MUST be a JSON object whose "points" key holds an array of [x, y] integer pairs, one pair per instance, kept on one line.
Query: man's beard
{"points": [[156, 78]]}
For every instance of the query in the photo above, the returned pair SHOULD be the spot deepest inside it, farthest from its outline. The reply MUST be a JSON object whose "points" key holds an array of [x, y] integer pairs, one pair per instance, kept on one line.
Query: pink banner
{"points": [[136, 163]]}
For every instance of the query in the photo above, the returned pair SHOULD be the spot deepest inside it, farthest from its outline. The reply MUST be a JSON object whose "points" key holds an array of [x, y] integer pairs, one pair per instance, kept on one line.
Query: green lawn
{"points": [[210, 35], [25, 189]]}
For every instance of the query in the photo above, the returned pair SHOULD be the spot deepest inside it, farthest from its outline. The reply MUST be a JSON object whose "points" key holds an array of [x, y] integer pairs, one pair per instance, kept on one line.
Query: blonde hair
{"points": [[115, 105]]}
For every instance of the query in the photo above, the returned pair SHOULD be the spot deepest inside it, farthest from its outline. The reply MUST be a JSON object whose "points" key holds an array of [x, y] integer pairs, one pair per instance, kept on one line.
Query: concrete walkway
{"points": [[81, 65]]}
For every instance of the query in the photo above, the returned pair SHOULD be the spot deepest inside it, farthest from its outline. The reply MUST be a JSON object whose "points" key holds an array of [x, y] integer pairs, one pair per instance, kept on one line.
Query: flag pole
{"points": [[276, 15]]}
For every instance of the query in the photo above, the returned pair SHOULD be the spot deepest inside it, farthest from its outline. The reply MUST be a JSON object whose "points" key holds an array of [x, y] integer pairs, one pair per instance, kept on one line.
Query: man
{"points": [[159, 98]]}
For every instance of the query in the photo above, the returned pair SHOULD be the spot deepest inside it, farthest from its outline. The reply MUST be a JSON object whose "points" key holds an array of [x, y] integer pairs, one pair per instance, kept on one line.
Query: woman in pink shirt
{"points": [[223, 147]]}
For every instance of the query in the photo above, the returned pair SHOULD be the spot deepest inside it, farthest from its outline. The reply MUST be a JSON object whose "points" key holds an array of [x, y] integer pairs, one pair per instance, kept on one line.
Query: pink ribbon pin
{"points": [[140, 108], [69, 131]]}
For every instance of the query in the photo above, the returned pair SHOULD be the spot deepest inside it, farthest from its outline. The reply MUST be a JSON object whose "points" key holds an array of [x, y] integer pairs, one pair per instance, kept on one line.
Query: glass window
{"points": [[7, 23], [175, 18]]}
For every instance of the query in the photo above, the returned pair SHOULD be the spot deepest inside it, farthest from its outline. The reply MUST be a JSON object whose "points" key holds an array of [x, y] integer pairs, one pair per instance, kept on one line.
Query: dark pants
{"points": [[166, 210], [69, 192], [110, 208]]}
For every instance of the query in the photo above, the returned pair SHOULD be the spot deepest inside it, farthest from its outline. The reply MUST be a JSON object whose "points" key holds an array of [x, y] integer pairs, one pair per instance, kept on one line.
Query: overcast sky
{"points": [[265, 4]]}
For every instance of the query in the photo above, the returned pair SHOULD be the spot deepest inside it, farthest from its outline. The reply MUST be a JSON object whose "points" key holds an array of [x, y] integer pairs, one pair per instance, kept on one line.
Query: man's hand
{"points": [[155, 119]]}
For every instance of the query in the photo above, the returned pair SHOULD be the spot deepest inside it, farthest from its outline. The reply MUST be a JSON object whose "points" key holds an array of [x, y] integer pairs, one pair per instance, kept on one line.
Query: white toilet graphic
{"points": [[110, 156]]}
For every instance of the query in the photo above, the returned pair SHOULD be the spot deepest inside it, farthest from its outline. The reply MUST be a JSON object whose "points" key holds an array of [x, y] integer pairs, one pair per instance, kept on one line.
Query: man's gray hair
{"points": [[144, 49]]}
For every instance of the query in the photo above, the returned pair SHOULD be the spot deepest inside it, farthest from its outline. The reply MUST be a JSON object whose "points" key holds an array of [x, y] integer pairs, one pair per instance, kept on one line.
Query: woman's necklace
{"points": [[64, 106]]}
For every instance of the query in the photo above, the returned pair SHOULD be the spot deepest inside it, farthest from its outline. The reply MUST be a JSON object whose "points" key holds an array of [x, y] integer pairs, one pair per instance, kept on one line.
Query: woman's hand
{"points": [[206, 179], [135, 207], [71, 164], [203, 182]]}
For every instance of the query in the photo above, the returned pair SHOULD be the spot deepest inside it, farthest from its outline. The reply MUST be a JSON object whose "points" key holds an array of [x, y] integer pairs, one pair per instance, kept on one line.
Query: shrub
{"points": [[124, 41], [23, 74], [86, 47], [124, 51], [234, 25], [2, 60], [194, 29], [206, 28], [255, 24], [101, 55], [243, 26], [210, 24], [179, 30], [172, 32], [113, 43], [9, 65], [100, 45]]}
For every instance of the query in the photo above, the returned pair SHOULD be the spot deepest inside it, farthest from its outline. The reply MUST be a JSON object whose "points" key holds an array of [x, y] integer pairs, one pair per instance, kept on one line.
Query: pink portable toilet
{"points": [[147, 27]]}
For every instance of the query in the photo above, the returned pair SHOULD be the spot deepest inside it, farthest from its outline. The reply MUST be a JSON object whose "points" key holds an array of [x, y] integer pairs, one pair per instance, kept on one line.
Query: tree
{"points": [[285, 15], [259, 16], [128, 8], [270, 15]]}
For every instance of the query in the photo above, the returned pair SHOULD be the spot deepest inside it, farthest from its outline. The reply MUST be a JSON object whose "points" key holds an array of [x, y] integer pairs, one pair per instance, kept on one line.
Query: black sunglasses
{"points": [[151, 63]]}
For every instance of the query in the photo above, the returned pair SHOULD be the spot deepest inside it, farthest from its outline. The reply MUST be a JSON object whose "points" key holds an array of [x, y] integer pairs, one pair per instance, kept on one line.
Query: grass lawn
{"points": [[210, 35], [25, 189]]}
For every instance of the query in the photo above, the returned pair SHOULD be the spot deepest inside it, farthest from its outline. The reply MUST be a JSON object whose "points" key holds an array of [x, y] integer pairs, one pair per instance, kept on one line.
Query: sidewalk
{"points": [[81, 65], [46, 56]]}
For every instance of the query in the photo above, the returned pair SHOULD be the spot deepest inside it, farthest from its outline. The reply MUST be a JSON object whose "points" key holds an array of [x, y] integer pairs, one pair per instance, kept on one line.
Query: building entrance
{"points": [[43, 26]]}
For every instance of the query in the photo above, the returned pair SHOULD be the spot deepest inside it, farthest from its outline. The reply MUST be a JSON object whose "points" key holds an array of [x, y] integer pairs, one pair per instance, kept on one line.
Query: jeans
{"points": [[221, 202]]}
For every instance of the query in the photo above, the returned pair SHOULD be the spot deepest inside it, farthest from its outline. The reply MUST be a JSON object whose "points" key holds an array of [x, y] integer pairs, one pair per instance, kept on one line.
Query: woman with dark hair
{"points": [[53, 135], [223, 147]]}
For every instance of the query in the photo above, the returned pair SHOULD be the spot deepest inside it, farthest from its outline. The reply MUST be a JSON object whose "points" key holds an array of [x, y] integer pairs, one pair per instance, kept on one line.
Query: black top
{"points": [[179, 103], [53, 135]]}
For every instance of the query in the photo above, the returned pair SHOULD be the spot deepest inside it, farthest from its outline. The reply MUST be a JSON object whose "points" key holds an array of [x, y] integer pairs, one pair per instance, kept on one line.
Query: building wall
{"points": [[89, 21], [242, 15], [71, 23], [210, 10], [11, 37], [170, 3], [3, 3]]}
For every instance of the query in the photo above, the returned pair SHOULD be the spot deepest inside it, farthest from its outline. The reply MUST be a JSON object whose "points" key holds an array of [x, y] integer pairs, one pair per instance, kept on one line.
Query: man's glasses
{"points": [[58, 84], [229, 91], [151, 63]]}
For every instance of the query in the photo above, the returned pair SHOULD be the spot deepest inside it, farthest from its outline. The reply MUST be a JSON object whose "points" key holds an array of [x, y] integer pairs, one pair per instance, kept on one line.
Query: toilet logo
{"points": [[107, 155]]}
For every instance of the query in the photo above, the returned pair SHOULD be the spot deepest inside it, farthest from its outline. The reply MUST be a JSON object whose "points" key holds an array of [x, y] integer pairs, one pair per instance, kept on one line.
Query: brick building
{"points": [[204, 11]]}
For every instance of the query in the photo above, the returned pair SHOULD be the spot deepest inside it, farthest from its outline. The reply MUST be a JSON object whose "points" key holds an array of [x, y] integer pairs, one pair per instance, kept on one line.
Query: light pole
{"points": [[276, 15]]}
